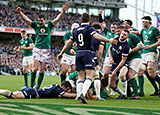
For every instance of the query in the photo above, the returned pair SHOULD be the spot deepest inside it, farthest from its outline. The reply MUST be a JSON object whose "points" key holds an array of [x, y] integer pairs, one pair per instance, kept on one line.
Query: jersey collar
{"points": [[122, 41], [84, 23]]}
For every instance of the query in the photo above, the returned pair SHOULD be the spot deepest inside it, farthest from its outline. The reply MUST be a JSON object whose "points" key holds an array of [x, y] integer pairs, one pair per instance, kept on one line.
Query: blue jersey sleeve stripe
{"points": [[93, 33]]}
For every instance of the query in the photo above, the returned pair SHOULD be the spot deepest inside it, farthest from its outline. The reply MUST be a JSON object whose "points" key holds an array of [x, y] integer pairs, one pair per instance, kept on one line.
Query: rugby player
{"points": [[118, 54], [151, 39], [52, 91], [69, 56], [26, 44], [41, 50], [83, 35]]}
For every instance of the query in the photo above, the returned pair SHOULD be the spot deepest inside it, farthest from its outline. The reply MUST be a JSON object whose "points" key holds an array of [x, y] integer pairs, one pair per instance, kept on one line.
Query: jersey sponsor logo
{"points": [[120, 47], [110, 34], [21, 42], [42, 30], [26, 42], [46, 25]]}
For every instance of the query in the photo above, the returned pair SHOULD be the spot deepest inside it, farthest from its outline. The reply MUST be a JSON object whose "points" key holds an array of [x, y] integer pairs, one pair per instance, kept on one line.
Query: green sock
{"points": [[133, 83], [141, 84], [40, 79], [26, 79], [33, 77], [152, 81], [63, 77]]}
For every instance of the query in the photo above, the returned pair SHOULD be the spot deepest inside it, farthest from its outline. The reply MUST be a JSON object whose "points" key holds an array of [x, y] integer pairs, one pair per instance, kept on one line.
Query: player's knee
{"points": [[25, 71]]}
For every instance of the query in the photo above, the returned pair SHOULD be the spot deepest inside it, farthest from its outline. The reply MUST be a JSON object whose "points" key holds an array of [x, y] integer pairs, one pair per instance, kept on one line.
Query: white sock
{"points": [[79, 88], [124, 86], [86, 86], [119, 90], [97, 86], [5, 93]]}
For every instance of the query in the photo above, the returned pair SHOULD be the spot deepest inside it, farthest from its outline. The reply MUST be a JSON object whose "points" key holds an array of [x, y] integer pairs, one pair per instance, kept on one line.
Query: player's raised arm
{"points": [[64, 9], [67, 45], [24, 17]]}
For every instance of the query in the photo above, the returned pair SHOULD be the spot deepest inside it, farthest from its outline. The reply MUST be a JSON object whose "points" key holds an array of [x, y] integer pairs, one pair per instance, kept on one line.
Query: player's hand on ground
{"points": [[59, 57], [100, 11], [65, 7], [113, 41], [18, 9], [72, 51]]}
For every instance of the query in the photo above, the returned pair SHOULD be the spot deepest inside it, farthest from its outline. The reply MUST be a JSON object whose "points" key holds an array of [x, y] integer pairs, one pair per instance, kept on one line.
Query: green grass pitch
{"points": [[146, 105]]}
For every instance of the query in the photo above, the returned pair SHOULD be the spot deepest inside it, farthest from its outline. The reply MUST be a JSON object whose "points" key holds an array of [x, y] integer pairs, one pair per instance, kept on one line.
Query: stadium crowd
{"points": [[9, 18], [11, 62]]}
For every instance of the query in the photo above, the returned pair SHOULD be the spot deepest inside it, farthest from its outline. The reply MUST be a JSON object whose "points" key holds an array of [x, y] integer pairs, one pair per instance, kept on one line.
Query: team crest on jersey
{"points": [[109, 33], [74, 44], [25, 41], [146, 37], [150, 32], [42, 30], [21, 42], [120, 47], [144, 31], [46, 25]]}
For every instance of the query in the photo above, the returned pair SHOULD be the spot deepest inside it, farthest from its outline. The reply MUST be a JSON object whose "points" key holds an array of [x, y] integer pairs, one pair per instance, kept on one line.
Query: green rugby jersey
{"points": [[133, 40], [42, 34], [150, 37], [109, 35], [73, 76], [73, 46], [26, 42]]}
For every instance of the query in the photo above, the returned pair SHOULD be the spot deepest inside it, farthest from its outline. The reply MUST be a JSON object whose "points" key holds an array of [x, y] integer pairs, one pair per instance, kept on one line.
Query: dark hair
{"points": [[96, 25], [104, 82], [41, 16], [125, 30], [23, 31], [66, 84], [85, 17], [114, 23], [129, 22], [120, 27], [147, 18]]}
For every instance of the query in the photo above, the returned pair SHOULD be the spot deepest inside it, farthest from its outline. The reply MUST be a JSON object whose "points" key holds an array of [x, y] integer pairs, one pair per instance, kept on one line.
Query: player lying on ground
{"points": [[51, 91]]}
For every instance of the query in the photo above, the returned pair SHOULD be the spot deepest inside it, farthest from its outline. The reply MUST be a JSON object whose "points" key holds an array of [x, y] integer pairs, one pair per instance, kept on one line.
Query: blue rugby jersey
{"points": [[51, 91], [120, 49], [83, 36]]}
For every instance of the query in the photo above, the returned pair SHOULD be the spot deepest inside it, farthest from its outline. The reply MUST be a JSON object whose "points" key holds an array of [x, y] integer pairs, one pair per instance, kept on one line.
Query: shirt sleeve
{"points": [[20, 43], [73, 36], [156, 33], [30, 40], [91, 31], [51, 24], [60, 91], [106, 29], [125, 50], [66, 37], [33, 24]]}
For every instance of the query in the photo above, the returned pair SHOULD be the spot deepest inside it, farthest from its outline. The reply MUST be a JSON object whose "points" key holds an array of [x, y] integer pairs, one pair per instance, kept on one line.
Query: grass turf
{"points": [[14, 83]]}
